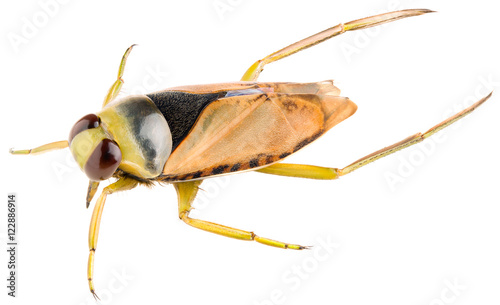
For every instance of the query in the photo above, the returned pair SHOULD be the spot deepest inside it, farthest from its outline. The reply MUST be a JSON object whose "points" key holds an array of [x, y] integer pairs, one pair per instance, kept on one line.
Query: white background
{"points": [[401, 242]]}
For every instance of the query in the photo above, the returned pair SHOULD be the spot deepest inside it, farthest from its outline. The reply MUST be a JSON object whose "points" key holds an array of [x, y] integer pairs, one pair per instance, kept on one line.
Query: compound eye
{"points": [[87, 122], [104, 161]]}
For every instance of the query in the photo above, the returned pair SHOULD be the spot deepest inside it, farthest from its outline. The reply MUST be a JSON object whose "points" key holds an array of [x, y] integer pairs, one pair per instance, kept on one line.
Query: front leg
{"points": [[121, 185], [186, 192], [117, 85]]}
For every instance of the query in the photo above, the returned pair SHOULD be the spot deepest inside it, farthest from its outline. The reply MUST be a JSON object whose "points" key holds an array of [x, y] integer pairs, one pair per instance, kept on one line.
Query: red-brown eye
{"points": [[87, 122], [104, 161]]}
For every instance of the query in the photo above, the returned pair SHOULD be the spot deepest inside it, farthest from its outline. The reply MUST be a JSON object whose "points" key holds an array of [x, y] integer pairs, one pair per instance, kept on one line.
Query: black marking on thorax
{"points": [[137, 112], [181, 110]]}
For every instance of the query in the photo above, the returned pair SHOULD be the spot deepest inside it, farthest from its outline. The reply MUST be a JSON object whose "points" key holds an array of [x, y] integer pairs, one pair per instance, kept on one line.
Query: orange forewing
{"points": [[251, 131]]}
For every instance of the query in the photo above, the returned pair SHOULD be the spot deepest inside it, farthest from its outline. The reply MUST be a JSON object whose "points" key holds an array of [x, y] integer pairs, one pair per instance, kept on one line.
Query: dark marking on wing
{"points": [[254, 162], [198, 174], [270, 159], [219, 169], [235, 167], [307, 141], [284, 155], [257, 161], [290, 105]]}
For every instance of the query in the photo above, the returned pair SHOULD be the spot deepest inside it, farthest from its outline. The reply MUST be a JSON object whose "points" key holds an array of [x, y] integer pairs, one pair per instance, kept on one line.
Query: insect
{"points": [[186, 134]]}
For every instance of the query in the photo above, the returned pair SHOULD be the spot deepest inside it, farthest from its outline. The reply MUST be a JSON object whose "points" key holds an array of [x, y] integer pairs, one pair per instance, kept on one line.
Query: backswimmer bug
{"points": [[209, 130]]}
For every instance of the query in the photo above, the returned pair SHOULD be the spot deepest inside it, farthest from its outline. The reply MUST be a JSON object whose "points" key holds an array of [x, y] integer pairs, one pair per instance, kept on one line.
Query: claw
{"points": [[96, 297]]}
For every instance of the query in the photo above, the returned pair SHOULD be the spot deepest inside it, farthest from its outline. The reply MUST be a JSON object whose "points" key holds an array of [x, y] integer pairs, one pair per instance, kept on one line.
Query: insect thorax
{"points": [[141, 132]]}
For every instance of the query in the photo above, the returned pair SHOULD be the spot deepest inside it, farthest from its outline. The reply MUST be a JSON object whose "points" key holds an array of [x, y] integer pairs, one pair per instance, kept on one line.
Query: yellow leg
{"points": [[41, 149], [317, 172], [186, 192], [121, 185], [253, 72], [117, 85], [301, 171]]}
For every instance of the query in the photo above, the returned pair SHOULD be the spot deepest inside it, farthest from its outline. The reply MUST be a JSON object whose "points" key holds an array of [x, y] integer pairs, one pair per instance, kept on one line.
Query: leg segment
{"points": [[301, 171], [117, 86], [186, 192], [121, 185], [253, 72], [41, 149], [317, 172]]}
